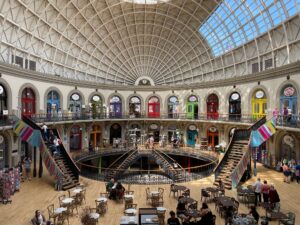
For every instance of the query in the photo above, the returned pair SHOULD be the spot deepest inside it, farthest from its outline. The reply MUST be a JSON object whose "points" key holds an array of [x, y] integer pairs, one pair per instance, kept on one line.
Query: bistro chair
{"points": [[148, 195], [51, 213], [173, 190], [92, 221], [130, 206], [101, 207], [104, 194], [60, 199], [205, 195], [161, 217], [290, 220]]}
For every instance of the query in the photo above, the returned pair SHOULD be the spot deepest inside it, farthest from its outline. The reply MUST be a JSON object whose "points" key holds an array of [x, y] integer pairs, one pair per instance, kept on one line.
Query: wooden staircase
{"points": [[63, 160], [121, 164], [168, 166], [235, 154]]}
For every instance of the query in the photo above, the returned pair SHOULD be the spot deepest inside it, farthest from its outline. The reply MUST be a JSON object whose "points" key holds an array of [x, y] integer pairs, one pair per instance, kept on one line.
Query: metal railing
{"points": [[288, 121], [7, 120], [241, 118], [137, 176]]}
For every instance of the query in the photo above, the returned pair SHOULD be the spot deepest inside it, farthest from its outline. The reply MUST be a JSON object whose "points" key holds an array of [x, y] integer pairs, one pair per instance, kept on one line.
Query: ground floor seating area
{"points": [[92, 199]]}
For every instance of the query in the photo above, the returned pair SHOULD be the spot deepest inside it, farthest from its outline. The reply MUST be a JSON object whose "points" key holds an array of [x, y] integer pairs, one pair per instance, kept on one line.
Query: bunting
{"points": [[263, 133], [34, 138]]}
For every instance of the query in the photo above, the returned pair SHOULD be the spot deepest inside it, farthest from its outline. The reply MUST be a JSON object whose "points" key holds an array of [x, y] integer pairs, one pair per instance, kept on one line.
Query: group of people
{"points": [[291, 170], [268, 192], [53, 141], [40, 219], [115, 189], [207, 218]]}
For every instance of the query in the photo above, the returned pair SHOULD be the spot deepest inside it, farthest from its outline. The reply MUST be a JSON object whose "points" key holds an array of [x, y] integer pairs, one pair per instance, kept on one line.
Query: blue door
{"points": [[191, 138]]}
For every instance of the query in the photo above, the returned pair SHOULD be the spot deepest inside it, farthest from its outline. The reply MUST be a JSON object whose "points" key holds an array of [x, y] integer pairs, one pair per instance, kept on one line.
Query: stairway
{"points": [[122, 164], [168, 166], [63, 160], [236, 152], [234, 156]]}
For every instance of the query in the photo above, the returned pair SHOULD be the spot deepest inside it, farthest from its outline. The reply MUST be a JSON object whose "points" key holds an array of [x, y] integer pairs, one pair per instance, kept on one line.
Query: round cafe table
{"points": [[128, 196], [161, 209], [67, 200], [77, 190], [154, 193], [102, 199], [60, 210], [94, 215]]}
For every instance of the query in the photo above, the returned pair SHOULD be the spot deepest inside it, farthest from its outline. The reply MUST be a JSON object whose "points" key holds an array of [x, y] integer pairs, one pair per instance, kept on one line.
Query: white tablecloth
{"points": [[94, 215], [60, 210], [130, 211], [77, 190], [67, 200], [102, 199]]}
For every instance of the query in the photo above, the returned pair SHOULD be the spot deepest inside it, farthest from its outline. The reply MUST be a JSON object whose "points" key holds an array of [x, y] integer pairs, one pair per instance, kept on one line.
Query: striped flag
{"points": [[263, 133]]}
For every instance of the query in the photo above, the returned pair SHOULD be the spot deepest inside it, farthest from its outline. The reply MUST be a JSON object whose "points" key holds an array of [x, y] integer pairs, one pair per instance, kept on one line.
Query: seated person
{"points": [[120, 190], [181, 208], [39, 219], [110, 185], [206, 215], [254, 213], [173, 220]]}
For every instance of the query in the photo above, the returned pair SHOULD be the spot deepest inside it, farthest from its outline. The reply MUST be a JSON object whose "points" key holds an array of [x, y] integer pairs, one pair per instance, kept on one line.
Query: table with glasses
{"points": [[179, 188], [67, 201], [94, 215]]}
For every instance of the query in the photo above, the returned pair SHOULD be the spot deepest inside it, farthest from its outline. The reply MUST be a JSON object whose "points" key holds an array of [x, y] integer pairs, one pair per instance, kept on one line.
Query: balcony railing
{"points": [[7, 120], [288, 121], [241, 118]]}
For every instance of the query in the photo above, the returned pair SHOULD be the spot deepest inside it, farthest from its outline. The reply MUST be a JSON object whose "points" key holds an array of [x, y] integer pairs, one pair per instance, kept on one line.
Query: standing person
{"points": [[257, 190], [221, 187], [173, 220], [151, 140], [265, 191], [293, 170], [274, 197], [45, 132], [297, 173], [286, 173], [27, 165], [56, 143]]}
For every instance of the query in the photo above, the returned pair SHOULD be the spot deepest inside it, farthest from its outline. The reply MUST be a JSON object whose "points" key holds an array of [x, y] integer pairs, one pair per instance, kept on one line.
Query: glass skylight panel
{"points": [[236, 22]]}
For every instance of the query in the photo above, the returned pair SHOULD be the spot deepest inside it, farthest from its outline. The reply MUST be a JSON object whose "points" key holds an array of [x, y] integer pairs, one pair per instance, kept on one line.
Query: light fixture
{"points": [[258, 83], [288, 77]]}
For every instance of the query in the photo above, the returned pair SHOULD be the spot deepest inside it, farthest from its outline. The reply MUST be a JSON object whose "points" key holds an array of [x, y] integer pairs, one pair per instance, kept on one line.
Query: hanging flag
{"points": [[263, 133]]}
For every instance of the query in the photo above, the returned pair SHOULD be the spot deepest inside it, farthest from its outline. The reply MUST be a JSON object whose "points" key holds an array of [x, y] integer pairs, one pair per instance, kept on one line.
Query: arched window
{"points": [[259, 103], [212, 106], [235, 106], [173, 107], [134, 107], [53, 103], [96, 105], [28, 102], [153, 107], [192, 107], [75, 104], [115, 107], [288, 102], [3, 99]]}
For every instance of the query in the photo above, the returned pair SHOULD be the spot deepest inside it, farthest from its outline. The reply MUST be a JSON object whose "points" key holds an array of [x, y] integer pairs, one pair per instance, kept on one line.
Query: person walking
{"points": [[45, 132], [286, 173], [265, 191], [27, 165], [257, 190]]}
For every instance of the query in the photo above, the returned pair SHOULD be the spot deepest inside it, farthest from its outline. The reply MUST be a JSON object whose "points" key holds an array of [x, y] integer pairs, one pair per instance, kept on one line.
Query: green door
{"points": [[192, 110]]}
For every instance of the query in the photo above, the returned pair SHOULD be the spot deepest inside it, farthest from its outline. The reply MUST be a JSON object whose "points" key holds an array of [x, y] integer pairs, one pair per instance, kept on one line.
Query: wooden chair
{"points": [[92, 221], [101, 207], [130, 206], [161, 193], [71, 195], [51, 213], [62, 218], [186, 193], [161, 217], [148, 195], [82, 196], [71, 207], [205, 195], [173, 190], [290, 220], [60, 198]]}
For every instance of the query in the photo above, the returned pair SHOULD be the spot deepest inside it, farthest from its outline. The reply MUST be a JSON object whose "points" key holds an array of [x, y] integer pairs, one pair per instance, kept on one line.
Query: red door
{"points": [[28, 102], [212, 107], [212, 137], [153, 107]]}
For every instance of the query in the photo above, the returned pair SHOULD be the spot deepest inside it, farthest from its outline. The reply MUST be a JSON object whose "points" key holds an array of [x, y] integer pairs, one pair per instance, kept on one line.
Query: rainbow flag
{"points": [[263, 133]]}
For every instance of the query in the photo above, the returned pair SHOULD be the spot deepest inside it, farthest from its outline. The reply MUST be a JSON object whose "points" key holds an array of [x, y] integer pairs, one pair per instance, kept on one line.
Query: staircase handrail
{"points": [[258, 123], [69, 159], [75, 169], [218, 168], [132, 153], [114, 162], [169, 157], [157, 153]]}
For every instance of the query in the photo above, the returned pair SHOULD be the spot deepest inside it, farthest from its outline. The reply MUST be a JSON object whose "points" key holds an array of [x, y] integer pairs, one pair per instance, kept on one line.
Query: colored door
{"points": [[212, 107], [192, 110], [235, 106], [153, 107], [28, 102], [259, 104], [191, 138]]}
